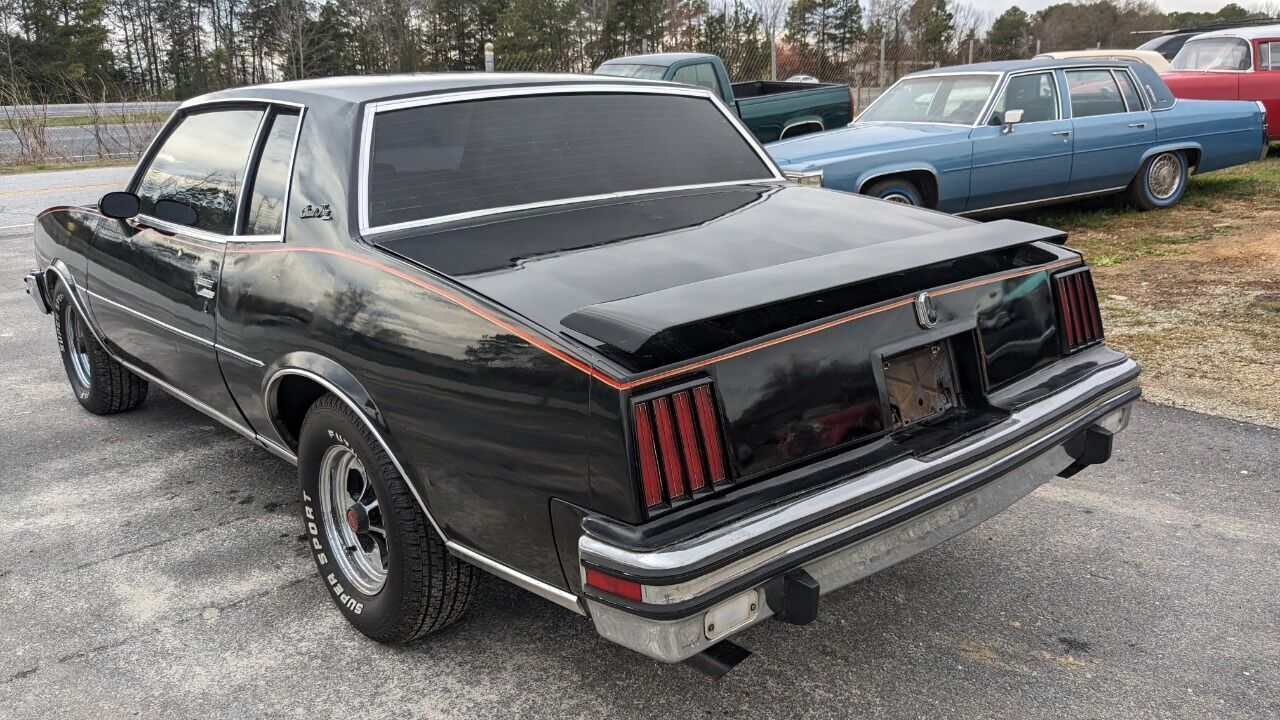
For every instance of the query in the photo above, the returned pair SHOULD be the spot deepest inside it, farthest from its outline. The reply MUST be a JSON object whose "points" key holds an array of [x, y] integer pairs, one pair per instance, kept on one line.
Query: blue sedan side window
{"points": [[1035, 95], [1093, 92]]}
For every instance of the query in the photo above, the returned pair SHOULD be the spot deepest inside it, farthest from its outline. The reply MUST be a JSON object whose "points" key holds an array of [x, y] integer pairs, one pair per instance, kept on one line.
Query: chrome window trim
{"points": [[176, 117], [1115, 74], [373, 108], [1109, 68], [178, 331], [255, 148], [1004, 84]]}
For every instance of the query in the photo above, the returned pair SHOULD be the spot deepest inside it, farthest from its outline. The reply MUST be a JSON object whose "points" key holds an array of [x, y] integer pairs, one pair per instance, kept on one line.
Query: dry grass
{"points": [[1193, 292]]}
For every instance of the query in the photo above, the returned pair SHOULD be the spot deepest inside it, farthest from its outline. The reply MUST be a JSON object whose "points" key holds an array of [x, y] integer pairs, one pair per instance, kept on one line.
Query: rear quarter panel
{"points": [[1226, 133]]}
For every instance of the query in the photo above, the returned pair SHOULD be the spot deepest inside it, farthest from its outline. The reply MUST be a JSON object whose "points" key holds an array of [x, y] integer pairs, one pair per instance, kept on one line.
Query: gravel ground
{"points": [[154, 569]]}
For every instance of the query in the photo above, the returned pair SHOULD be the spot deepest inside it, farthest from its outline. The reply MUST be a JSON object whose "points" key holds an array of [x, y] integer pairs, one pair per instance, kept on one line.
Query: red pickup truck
{"points": [[1236, 64]]}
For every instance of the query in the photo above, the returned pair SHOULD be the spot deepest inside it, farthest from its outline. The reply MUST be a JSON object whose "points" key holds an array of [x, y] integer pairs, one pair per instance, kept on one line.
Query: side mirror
{"points": [[120, 205], [175, 212], [1011, 118]]}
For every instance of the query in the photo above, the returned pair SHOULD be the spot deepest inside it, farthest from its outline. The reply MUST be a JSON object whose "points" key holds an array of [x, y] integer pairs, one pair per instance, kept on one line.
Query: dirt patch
{"points": [[1194, 292]]}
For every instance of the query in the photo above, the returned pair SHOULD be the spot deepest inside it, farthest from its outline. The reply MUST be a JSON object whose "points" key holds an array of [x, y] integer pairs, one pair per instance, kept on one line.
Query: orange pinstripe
{"points": [[582, 366]]}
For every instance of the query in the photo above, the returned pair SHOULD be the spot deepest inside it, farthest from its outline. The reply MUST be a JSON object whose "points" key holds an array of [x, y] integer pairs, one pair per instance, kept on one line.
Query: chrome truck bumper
{"points": [[698, 592]]}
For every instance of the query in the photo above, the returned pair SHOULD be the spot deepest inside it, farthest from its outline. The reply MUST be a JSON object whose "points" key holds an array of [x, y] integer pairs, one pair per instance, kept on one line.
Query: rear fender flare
{"points": [[342, 384]]}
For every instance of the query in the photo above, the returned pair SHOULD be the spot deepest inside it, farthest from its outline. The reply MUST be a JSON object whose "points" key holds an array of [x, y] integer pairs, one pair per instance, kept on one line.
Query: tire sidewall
{"points": [[899, 188], [325, 427], [61, 304], [1145, 184]]}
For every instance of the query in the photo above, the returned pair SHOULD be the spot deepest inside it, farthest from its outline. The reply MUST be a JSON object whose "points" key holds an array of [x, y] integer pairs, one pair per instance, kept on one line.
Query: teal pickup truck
{"points": [[771, 110]]}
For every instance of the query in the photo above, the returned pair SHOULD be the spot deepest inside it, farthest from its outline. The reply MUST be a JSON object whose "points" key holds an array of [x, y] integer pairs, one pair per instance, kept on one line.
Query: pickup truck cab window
{"points": [[1094, 92], [270, 178], [201, 164], [1214, 54], [951, 99], [447, 159], [700, 74], [1035, 94]]}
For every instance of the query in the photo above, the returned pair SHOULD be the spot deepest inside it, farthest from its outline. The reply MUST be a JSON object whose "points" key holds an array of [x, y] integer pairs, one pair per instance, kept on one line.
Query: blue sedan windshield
{"points": [[955, 99]]}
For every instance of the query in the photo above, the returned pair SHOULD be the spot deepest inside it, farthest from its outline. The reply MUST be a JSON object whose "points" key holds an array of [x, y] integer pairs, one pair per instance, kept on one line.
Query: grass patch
{"points": [[47, 166], [107, 119], [1111, 232]]}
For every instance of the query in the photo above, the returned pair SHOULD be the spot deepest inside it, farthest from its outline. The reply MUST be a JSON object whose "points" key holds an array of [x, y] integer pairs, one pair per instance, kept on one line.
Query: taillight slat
{"points": [[712, 447], [689, 440], [649, 477], [1078, 307], [667, 446]]}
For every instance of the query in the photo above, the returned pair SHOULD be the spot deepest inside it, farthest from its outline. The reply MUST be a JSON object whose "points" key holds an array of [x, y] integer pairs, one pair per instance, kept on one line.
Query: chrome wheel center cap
{"points": [[358, 519]]}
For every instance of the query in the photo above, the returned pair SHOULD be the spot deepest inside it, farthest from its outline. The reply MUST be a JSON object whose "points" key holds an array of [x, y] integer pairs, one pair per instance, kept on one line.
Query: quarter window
{"points": [[201, 164], [1093, 92], [271, 177], [1130, 92], [1269, 55], [1035, 95]]}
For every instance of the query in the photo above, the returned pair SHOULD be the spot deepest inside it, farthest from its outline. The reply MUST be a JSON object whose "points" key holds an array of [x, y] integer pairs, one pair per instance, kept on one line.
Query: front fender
{"points": [[880, 171]]}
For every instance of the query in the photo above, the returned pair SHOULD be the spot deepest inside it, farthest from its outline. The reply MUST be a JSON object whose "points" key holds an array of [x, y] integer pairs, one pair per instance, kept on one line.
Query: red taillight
{"points": [[649, 477], [629, 589], [678, 444], [1081, 323]]}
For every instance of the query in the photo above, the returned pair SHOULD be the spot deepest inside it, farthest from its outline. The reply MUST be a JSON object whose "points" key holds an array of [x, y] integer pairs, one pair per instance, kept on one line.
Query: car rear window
{"points": [[433, 161]]}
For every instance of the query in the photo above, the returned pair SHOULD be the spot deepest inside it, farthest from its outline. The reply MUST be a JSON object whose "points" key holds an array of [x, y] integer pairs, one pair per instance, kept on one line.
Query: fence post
{"points": [[488, 57], [883, 41], [1037, 46], [970, 49]]}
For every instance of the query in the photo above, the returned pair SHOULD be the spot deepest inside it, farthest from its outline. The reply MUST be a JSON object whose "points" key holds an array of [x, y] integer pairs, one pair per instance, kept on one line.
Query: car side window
{"points": [[1093, 92], [1129, 90], [707, 78], [1269, 55], [201, 164], [271, 177], [700, 74], [1036, 95]]}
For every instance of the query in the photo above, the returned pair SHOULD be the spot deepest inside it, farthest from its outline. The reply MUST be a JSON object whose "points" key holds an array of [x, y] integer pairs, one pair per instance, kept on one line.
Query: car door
{"points": [[153, 279], [1263, 83], [1026, 162], [1112, 127]]}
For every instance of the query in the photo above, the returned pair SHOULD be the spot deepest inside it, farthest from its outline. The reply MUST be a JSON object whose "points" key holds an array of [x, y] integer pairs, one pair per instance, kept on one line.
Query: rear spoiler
{"points": [[637, 324]]}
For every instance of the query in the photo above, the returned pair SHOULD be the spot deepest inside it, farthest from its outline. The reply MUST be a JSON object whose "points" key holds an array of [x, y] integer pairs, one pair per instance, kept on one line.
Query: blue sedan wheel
{"points": [[897, 190], [1161, 181]]}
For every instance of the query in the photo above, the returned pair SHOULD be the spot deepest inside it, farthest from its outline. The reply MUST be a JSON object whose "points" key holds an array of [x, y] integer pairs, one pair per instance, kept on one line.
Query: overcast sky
{"points": [[995, 7]]}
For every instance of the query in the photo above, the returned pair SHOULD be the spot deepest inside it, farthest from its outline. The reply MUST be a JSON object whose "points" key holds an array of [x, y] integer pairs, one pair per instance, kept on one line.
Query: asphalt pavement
{"points": [[154, 568]]}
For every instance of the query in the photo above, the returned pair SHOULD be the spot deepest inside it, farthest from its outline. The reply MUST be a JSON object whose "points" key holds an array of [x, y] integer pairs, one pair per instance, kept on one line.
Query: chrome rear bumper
{"points": [[697, 592]]}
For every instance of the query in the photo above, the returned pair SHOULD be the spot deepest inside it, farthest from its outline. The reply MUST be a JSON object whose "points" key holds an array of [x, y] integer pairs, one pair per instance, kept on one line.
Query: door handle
{"points": [[1063, 133], [1137, 125], [204, 287]]}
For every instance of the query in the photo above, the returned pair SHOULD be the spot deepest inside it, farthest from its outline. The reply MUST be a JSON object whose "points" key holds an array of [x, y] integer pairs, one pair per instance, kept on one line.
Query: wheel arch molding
{"points": [[323, 375], [1192, 149]]}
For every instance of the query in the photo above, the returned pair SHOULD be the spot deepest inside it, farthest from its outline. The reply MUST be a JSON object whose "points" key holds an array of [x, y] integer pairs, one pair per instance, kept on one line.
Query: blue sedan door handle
{"points": [[1064, 134], [1137, 125]]}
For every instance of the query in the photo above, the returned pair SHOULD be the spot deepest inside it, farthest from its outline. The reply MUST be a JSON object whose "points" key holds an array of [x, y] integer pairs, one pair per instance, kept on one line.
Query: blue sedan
{"points": [[989, 136]]}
